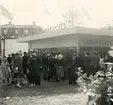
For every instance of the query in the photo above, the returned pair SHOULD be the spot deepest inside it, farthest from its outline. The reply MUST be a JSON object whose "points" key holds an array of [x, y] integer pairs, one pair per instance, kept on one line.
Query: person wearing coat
{"points": [[24, 64], [59, 66], [45, 65], [17, 68], [69, 62], [51, 67], [35, 78], [93, 63]]}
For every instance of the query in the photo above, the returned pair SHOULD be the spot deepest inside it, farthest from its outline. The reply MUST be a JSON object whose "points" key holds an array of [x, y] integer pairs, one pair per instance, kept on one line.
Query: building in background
{"points": [[77, 38], [11, 32]]}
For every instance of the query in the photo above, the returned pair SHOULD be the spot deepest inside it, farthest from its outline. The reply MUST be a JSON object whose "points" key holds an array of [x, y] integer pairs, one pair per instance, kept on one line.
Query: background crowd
{"points": [[52, 65]]}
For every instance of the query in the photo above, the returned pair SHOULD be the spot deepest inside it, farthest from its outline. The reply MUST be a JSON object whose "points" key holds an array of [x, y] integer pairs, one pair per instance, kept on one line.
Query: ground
{"points": [[49, 93]]}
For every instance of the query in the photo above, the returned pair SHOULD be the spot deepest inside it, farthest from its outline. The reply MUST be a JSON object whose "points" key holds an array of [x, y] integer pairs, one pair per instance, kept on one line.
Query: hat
{"points": [[48, 54], [60, 56], [20, 53], [33, 54], [17, 53], [36, 50], [110, 53]]}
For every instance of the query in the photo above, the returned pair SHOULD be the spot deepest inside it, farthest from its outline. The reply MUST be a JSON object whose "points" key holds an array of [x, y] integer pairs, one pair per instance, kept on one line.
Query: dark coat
{"points": [[78, 61], [25, 61], [9, 60], [35, 70], [17, 62], [44, 60], [69, 60]]}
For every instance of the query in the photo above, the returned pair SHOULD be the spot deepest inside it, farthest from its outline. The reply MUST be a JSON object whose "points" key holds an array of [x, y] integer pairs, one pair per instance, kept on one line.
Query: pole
{"points": [[1, 35], [1, 82]]}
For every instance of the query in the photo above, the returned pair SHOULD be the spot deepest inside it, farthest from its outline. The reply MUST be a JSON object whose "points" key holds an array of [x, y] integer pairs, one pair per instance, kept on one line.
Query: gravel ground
{"points": [[47, 94]]}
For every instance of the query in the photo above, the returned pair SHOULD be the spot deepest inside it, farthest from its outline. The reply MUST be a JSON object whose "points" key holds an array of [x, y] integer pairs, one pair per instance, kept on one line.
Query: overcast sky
{"points": [[49, 12]]}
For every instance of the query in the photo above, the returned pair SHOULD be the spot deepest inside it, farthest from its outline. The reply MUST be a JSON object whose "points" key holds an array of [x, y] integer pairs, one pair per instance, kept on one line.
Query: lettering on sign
{"points": [[96, 42]]}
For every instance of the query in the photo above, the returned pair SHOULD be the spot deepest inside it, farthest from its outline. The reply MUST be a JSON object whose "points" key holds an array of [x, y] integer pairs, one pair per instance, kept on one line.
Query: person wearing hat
{"points": [[25, 64], [59, 66], [35, 71], [69, 62], [51, 67], [45, 65], [17, 67]]}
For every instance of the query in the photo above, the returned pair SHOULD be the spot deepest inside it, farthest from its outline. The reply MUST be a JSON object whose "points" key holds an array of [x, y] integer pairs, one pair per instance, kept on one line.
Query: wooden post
{"points": [[78, 45], [3, 47]]}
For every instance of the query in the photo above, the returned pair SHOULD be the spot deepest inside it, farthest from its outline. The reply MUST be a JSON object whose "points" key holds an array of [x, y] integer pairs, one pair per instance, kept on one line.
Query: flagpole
{"points": [[0, 33], [1, 37], [9, 16]]}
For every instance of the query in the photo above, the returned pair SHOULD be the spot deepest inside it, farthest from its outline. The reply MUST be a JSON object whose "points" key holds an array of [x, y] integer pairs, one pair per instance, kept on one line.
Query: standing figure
{"points": [[69, 62], [45, 66], [59, 66], [17, 67], [51, 67], [93, 63], [75, 65], [35, 70], [25, 64], [9, 60]]}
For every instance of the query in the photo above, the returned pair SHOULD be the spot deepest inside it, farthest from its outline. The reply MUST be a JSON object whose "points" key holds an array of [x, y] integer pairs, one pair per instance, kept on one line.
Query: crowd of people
{"points": [[51, 66]]}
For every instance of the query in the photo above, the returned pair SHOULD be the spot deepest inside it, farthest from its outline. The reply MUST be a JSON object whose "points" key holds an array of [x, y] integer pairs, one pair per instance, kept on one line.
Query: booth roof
{"points": [[67, 31]]}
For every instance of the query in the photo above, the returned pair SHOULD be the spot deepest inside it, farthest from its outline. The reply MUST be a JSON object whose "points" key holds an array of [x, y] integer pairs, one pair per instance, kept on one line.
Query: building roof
{"points": [[75, 30], [10, 25], [19, 26]]}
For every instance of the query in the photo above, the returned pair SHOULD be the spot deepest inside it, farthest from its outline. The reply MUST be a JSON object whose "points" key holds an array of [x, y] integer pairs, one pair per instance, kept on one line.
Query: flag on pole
{"points": [[46, 11], [86, 13], [6, 13]]}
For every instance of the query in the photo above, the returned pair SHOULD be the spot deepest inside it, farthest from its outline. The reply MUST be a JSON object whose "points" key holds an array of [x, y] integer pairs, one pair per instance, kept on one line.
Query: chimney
{"points": [[9, 22], [34, 23]]}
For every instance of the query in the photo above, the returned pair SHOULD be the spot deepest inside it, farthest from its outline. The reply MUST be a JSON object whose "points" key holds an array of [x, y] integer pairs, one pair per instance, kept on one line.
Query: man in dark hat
{"points": [[45, 65], [51, 67], [69, 62], [25, 64], [35, 71]]}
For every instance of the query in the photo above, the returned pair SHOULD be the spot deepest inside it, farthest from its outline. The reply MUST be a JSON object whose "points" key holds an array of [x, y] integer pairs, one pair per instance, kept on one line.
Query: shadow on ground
{"points": [[46, 89]]}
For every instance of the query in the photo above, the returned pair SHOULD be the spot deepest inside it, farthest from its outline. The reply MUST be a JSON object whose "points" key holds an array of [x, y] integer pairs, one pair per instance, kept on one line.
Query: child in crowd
{"points": [[6, 72]]}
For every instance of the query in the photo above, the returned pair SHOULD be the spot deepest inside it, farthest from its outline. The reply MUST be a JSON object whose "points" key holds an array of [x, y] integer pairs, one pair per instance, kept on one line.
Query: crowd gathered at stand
{"points": [[55, 66]]}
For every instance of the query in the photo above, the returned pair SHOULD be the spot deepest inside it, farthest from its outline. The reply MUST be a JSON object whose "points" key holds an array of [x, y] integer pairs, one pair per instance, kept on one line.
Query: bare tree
{"points": [[72, 17], [109, 26]]}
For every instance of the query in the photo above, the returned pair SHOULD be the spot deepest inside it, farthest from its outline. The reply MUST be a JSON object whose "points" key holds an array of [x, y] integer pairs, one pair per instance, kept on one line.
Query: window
{"points": [[26, 31], [5, 31], [16, 31]]}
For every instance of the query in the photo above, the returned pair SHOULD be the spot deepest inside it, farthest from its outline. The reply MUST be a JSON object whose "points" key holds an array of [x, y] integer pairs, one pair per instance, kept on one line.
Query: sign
{"points": [[96, 42]]}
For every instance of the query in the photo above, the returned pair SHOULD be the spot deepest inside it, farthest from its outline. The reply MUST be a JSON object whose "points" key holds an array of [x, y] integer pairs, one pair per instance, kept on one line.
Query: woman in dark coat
{"points": [[17, 67], [59, 66], [35, 70]]}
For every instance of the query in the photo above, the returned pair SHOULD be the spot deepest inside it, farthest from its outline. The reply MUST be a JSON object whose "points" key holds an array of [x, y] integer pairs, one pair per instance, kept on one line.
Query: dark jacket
{"points": [[69, 60], [25, 61], [17, 62]]}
